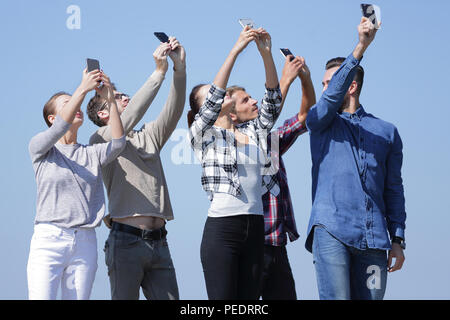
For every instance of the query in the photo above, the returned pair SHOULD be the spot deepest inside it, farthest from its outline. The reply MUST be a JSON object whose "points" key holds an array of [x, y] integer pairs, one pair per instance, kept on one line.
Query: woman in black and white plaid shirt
{"points": [[236, 172]]}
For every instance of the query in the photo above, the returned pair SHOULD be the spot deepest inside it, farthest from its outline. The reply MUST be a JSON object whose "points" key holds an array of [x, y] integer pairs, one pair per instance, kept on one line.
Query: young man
{"points": [[136, 252], [357, 187], [277, 280]]}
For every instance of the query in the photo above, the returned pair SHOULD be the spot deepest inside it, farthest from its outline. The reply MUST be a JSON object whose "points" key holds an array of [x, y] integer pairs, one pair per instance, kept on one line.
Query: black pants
{"points": [[277, 280], [232, 254]]}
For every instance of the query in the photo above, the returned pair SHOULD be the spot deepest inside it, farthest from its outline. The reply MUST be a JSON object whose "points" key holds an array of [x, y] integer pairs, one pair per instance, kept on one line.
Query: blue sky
{"points": [[406, 84]]}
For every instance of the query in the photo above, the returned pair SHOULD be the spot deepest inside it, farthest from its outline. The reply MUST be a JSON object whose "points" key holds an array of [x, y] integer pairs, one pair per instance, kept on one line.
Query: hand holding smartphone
{"points": [[247, 22], [285, 52], [92, 64], [373, 13], [162, 36]]}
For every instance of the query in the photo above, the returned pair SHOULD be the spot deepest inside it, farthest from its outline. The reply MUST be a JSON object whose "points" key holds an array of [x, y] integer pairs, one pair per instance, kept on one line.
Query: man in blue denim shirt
{"points": [[357, 187]]}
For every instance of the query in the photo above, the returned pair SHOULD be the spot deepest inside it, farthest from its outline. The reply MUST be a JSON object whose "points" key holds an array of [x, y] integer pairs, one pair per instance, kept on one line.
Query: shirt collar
{"points": [[241, 125], [360, 112]]}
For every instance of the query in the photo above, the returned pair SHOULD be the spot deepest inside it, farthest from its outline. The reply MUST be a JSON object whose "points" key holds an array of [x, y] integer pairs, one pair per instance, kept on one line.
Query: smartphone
{"points": [[246, 22], [285, 52], [92, 64], [373, 13], [161, 36]]}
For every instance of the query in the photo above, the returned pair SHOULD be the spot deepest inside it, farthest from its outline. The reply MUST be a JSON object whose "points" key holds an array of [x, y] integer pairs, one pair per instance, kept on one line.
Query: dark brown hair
{"points": [[96, 104], [49, 107], [194, 103], [359, 75]]}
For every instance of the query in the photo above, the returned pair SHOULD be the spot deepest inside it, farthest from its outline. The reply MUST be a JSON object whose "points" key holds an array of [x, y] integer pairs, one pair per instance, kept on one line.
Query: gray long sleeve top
{"points": [[68, 177], [135, 181]]}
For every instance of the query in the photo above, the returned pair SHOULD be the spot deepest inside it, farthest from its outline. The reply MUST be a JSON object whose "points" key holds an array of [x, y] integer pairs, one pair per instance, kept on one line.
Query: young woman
{"points": [[70, 199], [234, 160]]}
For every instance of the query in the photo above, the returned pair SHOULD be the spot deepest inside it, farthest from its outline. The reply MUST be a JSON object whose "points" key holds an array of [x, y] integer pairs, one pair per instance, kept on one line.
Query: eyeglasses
{"points": [[120, 96]]}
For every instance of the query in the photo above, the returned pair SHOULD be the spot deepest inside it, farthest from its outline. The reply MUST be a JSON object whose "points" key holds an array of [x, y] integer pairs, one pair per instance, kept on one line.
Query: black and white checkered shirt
{"points": [[216, 147]]}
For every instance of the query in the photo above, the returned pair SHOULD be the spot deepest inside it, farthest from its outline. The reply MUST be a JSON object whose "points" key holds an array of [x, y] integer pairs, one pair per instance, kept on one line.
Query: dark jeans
{"points": [[134, 263], [277, 280], [232, 254]]}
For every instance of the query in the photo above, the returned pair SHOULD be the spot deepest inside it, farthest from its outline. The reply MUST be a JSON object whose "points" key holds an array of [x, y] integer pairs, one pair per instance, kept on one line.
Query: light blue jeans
{"points": [[346, 273]]}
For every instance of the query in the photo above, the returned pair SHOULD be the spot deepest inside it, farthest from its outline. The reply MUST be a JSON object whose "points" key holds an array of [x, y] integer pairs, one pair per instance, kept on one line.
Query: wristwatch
{"points": [[400, 241]]}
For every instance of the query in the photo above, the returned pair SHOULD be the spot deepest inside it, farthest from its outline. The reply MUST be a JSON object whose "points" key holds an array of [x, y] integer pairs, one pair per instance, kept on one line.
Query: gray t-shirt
{"points": [[68, 177]]}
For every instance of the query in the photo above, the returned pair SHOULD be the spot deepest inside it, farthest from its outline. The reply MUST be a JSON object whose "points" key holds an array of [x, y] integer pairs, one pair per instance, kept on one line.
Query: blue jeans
{"points": [[344, 272]]}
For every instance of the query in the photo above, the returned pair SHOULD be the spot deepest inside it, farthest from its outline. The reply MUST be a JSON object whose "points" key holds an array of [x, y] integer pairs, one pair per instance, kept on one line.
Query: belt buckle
{"points": [[152, 234], [144, 235]]}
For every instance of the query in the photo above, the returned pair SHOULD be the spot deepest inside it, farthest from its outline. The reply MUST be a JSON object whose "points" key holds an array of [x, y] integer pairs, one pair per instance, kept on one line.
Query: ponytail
{"points": [[194, 103]]}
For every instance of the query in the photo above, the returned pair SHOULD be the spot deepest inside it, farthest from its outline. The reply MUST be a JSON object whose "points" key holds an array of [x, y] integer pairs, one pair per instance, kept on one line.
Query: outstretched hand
{"points": [[106, 91], [366, 31], [366, 34], [263, 41], [304, 70], [246, 36], [292, 68], [90, 80], [160, 56], [177, 54]]}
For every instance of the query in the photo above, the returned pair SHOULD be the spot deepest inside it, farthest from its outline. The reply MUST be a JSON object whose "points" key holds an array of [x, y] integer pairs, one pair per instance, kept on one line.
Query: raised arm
{"points": [[163, 126], [308, 93], [295, 126], [270, 106], [246, 36], [143, 98], [293, 68], [89, 81], [64, 116], [107, 94], [322, 114], [264, 44], [210, 109]]}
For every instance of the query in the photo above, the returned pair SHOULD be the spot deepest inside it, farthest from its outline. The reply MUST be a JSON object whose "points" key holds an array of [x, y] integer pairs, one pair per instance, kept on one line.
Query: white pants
{"points": [[61, 256]]}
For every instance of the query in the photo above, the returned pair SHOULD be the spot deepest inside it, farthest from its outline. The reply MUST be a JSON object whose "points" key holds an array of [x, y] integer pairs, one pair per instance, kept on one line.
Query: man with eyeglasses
{"points": [[136, 252]]}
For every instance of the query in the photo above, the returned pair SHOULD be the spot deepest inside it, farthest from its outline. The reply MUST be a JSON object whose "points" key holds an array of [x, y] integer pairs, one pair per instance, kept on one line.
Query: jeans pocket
{"points": [[106, 250], [123, 240], [47, 232]]}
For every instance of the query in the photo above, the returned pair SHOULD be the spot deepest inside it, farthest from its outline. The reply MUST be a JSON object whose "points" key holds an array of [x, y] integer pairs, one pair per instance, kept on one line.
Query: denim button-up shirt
{"points": [[357, 188]]}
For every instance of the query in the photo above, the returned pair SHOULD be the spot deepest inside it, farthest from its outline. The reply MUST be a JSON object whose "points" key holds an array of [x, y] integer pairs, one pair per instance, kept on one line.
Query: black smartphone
{"points": [[92, 64], [285, 52], [161, 36]]}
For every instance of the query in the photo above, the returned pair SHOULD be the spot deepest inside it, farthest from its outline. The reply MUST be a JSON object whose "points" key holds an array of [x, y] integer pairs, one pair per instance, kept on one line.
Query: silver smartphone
{"points": [[246, 22], [373, 13]]}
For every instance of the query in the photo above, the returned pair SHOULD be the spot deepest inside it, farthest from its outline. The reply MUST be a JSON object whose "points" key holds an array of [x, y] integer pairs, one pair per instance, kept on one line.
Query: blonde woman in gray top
{"points": [[136, 252], [70, 196]]}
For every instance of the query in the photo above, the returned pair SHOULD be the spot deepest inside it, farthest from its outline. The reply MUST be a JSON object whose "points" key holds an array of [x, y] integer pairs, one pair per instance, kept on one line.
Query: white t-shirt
{"points": [[250, 200]]}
